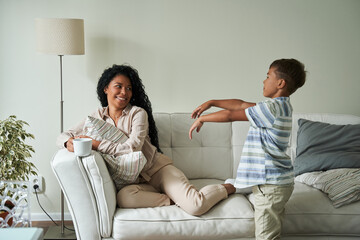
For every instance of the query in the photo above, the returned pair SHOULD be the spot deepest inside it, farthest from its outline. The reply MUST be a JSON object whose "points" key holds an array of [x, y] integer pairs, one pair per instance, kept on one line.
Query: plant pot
{"points": [[4, 213]]}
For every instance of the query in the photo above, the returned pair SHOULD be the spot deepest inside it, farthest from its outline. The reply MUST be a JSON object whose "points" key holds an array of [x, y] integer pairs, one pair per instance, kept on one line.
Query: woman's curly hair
{"points": [[139, 96]]}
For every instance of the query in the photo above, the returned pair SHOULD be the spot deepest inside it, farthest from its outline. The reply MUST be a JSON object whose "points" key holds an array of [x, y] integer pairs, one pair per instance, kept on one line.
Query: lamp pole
{"points": [[61, 99], [61, 131]]}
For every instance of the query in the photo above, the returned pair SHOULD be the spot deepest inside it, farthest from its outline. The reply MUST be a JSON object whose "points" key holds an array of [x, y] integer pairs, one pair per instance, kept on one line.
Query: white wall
{"points": [[186, 52]]}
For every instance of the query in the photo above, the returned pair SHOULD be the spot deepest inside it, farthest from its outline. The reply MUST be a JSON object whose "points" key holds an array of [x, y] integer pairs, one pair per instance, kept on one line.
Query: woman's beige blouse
{"points": [[134, 123]]}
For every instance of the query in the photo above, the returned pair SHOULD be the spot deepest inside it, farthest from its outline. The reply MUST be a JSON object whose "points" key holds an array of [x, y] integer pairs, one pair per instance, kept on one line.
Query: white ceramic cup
{"points": [[82, 146]]}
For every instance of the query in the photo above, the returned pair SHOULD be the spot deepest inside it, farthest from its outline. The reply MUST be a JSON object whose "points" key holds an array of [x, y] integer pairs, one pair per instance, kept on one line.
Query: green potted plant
{"points": [[14, 153]]}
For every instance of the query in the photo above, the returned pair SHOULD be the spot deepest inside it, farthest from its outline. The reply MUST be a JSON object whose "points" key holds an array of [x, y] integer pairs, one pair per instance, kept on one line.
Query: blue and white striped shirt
{"points": [[264, 159]]}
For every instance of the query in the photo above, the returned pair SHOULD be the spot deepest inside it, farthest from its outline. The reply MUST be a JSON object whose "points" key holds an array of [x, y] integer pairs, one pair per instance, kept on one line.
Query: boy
{"points": [[264, 164]]}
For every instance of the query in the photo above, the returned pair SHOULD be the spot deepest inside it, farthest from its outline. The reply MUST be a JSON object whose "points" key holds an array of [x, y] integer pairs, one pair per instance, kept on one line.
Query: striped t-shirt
{"points": [[264, 159]]}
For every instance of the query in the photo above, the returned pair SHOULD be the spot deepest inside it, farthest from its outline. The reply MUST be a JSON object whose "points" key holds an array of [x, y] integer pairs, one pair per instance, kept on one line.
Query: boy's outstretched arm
{"points": [[228, 104], [221, 116]]}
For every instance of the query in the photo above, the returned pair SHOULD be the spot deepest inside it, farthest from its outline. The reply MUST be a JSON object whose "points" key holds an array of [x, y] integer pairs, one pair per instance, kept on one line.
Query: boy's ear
{"points": [[281, 83]]}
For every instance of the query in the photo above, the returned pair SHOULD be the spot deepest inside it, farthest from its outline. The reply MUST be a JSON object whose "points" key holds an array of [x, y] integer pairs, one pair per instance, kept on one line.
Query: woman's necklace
{"points": [[115, 117]]}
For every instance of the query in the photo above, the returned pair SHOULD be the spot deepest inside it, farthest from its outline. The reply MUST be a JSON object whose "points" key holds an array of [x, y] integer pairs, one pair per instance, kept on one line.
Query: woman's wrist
{"points": [[95, 144]]}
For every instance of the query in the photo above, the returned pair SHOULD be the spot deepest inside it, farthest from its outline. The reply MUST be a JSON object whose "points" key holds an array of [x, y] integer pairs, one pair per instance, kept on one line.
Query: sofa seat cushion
{"points": [[310, 212], [231, 218]]}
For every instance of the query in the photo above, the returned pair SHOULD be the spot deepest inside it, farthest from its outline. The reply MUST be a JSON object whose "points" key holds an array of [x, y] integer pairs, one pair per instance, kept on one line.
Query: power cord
{"points": [[36, 188]]}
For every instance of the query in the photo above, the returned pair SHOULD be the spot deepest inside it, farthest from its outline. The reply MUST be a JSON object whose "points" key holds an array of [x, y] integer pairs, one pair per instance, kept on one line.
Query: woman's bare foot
{"points": [[229, 188]]}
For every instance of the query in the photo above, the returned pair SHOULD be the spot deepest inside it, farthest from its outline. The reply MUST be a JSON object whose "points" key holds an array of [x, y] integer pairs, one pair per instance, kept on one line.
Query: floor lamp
{"points": [[60, 36]]}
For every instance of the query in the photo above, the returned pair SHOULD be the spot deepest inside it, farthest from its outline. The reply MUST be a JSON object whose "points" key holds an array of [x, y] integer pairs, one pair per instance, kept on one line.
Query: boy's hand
{"points": [[197, 124], [200, 109]]}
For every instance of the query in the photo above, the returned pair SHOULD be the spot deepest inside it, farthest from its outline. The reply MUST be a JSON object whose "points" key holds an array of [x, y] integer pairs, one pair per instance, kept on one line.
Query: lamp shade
{"points": [[60, 36]]}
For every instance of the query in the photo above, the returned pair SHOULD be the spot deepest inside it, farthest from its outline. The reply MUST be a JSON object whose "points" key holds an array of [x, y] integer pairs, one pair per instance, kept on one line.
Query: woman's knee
{"points": [[199, 202], [195, 210], [126, 196]]}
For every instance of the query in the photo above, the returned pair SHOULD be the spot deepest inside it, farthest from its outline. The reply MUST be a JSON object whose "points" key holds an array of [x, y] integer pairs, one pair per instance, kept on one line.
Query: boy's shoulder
{"points": [[271, 104], [276, 106], [276, 100]]}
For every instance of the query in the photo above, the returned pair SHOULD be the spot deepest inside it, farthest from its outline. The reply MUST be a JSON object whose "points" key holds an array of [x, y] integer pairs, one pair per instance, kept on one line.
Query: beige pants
{"points": [[171, 183], [269, 209]]}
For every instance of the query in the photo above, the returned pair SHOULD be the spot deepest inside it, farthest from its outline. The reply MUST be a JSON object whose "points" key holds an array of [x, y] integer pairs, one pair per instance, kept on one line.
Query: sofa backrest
{"points": [[215, 151], [207, 155]]}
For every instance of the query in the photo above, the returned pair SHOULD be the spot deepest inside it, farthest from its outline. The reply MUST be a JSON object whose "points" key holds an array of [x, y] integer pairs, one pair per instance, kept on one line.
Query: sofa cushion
{"points": [[341, 185], [231, 218], [323, 146], [207, 155], [104, 190], [310, 212], [319, 117]]}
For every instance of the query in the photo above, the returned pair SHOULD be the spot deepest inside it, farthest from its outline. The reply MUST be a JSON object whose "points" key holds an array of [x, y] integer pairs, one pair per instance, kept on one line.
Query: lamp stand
{"points": [[60, 232]]}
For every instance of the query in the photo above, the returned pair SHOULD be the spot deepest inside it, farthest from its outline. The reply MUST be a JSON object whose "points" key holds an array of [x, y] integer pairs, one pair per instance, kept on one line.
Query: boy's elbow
{"points": [[229, 116], [231, 119], [237, 116]]}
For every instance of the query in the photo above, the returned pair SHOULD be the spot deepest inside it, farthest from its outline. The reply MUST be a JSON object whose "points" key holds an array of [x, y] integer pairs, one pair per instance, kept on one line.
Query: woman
{"points": [[126, 106]]}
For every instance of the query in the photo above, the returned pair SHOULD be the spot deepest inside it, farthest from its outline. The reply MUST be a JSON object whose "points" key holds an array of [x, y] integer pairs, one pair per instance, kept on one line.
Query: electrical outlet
{"points": [[36, 180]]}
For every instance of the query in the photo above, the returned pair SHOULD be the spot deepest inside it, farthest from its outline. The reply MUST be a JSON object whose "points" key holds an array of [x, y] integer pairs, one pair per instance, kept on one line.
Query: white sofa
{"points": [[210, 157]]}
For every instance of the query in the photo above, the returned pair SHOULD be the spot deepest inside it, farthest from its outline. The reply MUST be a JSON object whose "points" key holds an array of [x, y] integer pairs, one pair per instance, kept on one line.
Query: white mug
{"points": [[82, 146]]}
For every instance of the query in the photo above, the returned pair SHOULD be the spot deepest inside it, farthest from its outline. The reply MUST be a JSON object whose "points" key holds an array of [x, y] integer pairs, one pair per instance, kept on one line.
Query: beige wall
{"points": [[186, 52]]}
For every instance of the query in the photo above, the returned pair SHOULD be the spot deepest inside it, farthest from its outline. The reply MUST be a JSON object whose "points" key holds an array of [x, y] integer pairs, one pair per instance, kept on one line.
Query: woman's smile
{"points": [[121, 99], [119, 92]]}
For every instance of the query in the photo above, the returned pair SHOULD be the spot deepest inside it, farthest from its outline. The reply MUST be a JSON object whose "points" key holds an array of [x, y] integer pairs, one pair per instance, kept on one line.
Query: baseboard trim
{"points": [[55, 216]]}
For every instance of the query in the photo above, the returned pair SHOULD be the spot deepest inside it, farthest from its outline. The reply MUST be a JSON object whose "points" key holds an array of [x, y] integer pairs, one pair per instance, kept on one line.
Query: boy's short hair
{"points": [[292, 71]]}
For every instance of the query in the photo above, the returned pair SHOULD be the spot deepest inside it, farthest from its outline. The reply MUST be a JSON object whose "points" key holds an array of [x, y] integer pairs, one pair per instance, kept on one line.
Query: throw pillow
{"points": [[124, 169], [323, 146], [341, 185], [99, 129]]}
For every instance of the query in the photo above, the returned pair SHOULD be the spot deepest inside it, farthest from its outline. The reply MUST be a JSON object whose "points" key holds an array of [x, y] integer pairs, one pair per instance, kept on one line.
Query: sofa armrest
{"points": [[78, 193]]}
